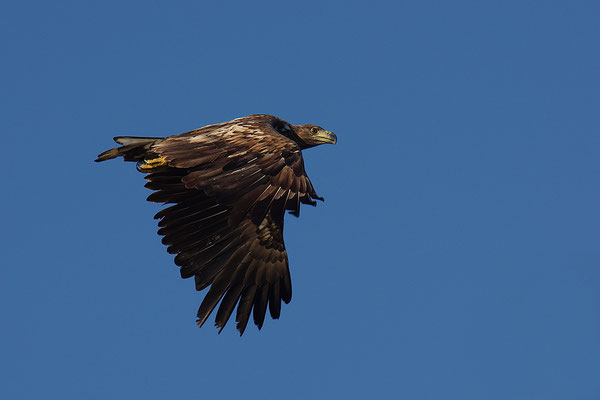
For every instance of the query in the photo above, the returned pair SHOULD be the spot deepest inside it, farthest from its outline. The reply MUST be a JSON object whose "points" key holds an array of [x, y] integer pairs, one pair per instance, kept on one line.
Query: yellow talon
{"points": [[149, 165]]}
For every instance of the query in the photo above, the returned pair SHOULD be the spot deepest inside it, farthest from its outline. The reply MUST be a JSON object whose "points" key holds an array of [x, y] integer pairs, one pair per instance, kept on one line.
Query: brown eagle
{"points": [[229, 185]]}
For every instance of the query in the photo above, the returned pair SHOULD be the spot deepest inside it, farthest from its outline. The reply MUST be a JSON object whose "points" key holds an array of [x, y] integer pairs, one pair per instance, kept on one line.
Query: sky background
{"points": [[456, 256]]}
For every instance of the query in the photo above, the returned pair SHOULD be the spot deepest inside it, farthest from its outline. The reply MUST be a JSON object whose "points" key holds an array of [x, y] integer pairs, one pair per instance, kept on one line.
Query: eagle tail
{"points": [[132, 149]]}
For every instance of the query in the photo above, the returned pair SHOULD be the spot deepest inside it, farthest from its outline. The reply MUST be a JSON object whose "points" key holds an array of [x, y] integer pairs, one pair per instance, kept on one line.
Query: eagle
{"points": [[228, 186]]}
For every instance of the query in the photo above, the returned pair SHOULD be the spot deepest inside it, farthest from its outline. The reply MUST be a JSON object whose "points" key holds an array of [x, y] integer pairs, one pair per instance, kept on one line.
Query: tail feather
{"points": [[126, 140], [132, 149]]}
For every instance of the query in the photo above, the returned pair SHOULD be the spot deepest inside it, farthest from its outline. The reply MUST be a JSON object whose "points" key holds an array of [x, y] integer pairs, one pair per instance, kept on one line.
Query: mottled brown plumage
{"points": [[229, 185]]}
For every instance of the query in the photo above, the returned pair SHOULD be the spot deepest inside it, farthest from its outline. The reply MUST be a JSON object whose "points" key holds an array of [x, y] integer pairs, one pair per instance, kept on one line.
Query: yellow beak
{"points": [[324, 136]]}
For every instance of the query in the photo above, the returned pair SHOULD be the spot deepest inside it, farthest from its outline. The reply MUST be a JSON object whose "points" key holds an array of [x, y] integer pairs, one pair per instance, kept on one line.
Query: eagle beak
{"points": [[326, 137]]}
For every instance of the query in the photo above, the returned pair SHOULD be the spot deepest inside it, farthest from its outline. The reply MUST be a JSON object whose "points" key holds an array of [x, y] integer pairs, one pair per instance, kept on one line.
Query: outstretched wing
{"points": [[230, 185]]}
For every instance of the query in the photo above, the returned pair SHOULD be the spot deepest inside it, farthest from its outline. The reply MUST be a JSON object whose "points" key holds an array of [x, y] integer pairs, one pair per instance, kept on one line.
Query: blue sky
{"points": [[456, 255]]}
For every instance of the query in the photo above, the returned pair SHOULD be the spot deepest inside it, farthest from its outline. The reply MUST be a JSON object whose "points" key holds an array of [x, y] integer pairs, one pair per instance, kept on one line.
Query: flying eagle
{"points": [[229, 185]]}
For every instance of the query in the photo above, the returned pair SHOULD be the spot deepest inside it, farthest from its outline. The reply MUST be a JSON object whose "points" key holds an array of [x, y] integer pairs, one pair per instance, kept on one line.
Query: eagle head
{"points": [[313, 135]]}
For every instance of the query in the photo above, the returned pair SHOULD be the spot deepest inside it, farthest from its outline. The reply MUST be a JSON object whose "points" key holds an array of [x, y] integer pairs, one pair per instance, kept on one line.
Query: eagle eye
{"points": [[314, 130]]}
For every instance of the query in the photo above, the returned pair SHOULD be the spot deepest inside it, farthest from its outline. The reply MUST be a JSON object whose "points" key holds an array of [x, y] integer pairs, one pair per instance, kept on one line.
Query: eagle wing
{"points": [[230, 185]]}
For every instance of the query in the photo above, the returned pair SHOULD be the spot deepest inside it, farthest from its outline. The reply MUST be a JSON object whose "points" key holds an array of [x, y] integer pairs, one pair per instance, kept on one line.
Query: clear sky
{"points": [[456, 256]]}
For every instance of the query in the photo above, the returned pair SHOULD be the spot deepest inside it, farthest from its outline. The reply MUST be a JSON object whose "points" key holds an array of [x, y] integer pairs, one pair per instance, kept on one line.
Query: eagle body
{"points": [[228, 186]]}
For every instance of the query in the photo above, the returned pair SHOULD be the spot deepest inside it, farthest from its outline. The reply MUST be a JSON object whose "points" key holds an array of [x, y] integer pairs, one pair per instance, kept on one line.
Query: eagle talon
{"points": [[152, 164]]}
